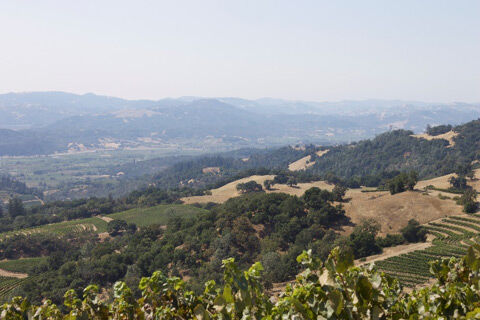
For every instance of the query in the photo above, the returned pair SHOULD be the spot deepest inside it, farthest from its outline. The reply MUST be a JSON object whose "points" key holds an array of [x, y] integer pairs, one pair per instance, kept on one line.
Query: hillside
{"points": [[102, 240]]}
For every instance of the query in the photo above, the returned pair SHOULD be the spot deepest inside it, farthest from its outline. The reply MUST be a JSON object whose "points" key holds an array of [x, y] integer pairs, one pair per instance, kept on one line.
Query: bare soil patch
{"points": [[5, 273], [394, 251], [106, 219], [211, 170]]}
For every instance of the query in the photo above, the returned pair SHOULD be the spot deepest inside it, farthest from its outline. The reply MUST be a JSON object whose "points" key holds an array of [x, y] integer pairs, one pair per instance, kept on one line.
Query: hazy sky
{"points": [[316, 50]]}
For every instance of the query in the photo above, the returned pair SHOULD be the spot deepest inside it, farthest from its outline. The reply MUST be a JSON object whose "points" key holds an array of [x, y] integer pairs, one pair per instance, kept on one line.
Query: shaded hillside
{"points": [[398, 150]]}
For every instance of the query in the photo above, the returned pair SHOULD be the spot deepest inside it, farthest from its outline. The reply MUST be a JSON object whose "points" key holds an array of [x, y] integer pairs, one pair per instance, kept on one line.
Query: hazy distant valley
{"points": [[55, 122]]}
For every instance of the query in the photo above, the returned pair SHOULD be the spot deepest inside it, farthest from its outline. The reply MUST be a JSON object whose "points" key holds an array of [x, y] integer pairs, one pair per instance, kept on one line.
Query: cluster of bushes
{"points": [[402, 182], [250, 186], [438, 130], [363, 241]]}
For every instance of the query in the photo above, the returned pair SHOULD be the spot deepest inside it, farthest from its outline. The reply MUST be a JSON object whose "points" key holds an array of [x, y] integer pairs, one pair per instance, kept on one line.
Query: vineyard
{"points": [[7, 285], [453, 236], [23, 265], [93, 224]]}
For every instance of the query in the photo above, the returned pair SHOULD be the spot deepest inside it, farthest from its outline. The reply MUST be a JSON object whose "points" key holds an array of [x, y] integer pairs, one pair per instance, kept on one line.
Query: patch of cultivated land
{"points": [[94, 224], [305, 162], [21, 266], [229, 190], [395, 251], [445, 136]]}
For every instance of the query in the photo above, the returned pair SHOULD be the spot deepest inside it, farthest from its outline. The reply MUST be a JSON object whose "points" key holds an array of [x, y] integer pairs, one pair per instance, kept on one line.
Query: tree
{"points": [[316, 198], [403, 181], [363, 238], [458, 183], [117, 226], [250, 186], [469, 201], [414, 232], [292, 181], [268, 184], [339, 192], [16, 208]]}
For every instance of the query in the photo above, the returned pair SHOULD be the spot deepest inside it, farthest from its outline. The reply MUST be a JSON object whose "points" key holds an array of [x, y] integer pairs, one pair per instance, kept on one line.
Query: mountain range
{"points": [[49, 122]]}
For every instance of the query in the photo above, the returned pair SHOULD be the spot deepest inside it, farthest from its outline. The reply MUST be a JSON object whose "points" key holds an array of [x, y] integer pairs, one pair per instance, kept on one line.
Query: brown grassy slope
{"points": [[445, 136], [392, 212], [229, 190], [305, 162]]}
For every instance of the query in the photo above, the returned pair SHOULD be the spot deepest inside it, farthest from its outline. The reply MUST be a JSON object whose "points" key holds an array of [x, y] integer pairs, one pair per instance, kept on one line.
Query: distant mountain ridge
{"points": [[49, 122]]}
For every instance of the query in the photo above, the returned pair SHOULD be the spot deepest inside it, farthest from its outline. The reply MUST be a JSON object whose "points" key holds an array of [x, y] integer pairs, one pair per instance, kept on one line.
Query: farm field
{"points": [[93, 224], [7, 285], [140, 216], [21, 265], [453, 235]]}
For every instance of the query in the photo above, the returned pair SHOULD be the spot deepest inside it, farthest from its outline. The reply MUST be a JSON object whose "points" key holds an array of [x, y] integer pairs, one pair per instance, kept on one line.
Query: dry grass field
{"points": [[439, 182], [305, 162], [229, 190], [446, 136], [391, 211]]}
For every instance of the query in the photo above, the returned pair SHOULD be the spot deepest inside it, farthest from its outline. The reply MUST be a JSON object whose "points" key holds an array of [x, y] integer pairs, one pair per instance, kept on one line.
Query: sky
{"points": [[302, 50]]}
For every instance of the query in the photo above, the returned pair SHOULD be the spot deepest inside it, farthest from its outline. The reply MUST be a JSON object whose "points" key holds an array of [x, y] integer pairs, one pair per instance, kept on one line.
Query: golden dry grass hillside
{"points": [[391, 211], [445, 136], [305, 162], [229, 190]]}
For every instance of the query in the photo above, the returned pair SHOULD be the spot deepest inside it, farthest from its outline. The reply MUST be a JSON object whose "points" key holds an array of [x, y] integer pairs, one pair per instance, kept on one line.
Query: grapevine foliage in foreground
{"points": [[334, 290]]}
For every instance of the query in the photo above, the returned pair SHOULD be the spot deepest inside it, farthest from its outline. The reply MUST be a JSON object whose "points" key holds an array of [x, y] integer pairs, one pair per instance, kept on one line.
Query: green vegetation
{"points": [[414, 232], [24, 265], [369, 162], [402, 182], [453, 236], [438, 130], [186, 241], [93, 224], [250, 186], [469, 201], [160, 214], [349, 293], [7, 286]]}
